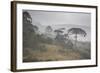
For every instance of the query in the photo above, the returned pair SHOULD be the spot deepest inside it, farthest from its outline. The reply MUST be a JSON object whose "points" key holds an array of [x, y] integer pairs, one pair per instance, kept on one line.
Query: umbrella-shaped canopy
{"points": [[58, 31], [77, 31], [62, 29]]}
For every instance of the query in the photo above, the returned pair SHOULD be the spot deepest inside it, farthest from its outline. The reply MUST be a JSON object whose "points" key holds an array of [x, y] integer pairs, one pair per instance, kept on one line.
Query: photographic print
{"points": [[53, 36]]}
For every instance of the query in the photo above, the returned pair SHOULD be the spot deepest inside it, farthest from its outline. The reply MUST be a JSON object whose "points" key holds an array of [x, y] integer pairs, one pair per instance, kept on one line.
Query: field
{"points": [[56, 52]]}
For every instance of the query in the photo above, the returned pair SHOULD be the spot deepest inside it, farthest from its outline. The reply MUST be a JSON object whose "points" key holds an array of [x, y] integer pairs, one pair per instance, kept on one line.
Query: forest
{"points": [[45, 47]]}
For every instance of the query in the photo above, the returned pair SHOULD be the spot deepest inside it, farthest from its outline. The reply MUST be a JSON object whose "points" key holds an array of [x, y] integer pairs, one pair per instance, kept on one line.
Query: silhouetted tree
{"points": [[59, 37], [58, 32], [26, 17], [62, 29], [48, 29], [29, 35], [76, 32]]}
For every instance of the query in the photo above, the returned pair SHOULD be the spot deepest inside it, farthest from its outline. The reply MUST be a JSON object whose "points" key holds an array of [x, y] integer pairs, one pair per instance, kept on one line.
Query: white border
{"points": [[21, 65]]}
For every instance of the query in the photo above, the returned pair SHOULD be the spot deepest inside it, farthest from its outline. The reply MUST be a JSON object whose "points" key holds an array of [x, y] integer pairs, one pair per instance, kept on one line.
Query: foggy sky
{"points": [[50, 18]]}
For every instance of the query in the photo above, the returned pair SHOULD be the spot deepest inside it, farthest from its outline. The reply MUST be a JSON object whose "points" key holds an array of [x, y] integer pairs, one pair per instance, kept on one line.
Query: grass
{"points": [[56, 52]]}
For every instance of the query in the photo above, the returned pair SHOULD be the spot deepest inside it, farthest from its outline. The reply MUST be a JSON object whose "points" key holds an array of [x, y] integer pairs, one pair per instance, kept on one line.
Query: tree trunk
{"points": [[75, 40]]}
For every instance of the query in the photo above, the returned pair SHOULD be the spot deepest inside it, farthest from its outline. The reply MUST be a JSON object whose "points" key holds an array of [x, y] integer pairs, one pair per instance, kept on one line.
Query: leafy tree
{"points": [[59, 36], [29, 35], [76, 32], [48, 29], [58, 32], [26, 17], [62, 29]]}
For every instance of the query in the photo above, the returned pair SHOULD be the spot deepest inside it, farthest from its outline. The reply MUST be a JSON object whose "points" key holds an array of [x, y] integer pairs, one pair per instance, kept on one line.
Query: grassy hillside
{"points": [[55, 52]]}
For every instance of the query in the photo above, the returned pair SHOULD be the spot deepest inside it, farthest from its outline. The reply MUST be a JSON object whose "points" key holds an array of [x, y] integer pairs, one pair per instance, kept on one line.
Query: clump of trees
{"points": [[28, 31], [63, 38], [31, 40]]}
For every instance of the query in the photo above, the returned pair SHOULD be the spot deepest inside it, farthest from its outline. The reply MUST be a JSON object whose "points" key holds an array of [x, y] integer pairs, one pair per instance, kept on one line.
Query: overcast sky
{"points": [[52, 18]]}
